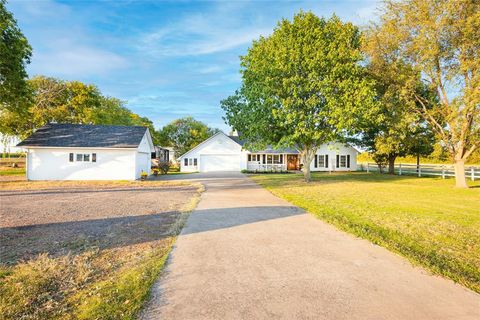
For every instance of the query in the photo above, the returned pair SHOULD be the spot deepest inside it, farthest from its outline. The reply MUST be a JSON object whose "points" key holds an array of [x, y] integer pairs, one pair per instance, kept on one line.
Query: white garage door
{"points": [[219, 163]]}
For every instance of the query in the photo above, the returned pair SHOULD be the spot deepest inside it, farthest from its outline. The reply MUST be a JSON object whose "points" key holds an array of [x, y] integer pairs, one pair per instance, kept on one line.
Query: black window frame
{"points": [[94, 157], [316, 161], [195, 161], [71, 157], [185, 162]]}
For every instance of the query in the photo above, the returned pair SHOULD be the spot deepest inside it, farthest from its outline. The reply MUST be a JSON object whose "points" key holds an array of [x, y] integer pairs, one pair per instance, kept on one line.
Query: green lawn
{"points": [[425, 219], [12, 171]]}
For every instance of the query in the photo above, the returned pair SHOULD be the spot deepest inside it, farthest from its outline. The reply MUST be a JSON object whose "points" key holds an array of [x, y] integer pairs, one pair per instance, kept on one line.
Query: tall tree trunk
{"points": [[307, 155], [391, 163], [460, 180]]}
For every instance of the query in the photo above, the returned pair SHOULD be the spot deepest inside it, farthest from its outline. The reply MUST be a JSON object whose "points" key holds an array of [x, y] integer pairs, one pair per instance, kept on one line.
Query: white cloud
{"points": [[201, 34], [73, 60]]}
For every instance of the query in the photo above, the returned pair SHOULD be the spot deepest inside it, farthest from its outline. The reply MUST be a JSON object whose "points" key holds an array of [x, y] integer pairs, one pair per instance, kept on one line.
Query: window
{"points": [[269, 159], [321, 161], [71, 157], [185, 162], [194, 161], [254, 157], [343, 161], [277, 159], [326, 161], [84, 157], [190, 161]]}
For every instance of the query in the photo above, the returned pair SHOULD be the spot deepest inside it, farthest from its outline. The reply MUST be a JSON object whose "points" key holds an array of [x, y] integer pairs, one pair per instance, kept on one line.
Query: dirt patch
{"points": [[59, 221]]}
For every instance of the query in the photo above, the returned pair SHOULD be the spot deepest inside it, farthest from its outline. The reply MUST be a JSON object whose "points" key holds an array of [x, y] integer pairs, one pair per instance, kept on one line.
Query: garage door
{"points": [[219, 163]]}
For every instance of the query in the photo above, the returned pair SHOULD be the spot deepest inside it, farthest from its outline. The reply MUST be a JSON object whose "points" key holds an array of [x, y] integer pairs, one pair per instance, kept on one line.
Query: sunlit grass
{"points": [[425, 219]]}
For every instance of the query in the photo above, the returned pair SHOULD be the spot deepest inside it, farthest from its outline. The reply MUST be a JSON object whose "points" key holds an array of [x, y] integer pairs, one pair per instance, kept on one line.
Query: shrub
{"points": [[164, 167]]}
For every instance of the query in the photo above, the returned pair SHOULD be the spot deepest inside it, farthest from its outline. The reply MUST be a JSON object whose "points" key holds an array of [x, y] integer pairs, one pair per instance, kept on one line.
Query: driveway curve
{"points": [[246, 254]]}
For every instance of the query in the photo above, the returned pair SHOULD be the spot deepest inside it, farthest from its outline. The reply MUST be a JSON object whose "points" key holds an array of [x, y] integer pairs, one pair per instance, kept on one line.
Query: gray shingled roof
{"points": [[87, 136]]}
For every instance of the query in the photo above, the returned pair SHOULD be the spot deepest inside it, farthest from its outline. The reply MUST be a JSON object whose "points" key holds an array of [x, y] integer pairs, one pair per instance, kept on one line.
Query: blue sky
{"points": [[166, 59]]}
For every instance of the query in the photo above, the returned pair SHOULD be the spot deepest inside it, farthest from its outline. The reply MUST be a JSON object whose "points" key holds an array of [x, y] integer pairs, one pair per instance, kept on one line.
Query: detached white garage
{"points": [[218, 153], [88, 152]]}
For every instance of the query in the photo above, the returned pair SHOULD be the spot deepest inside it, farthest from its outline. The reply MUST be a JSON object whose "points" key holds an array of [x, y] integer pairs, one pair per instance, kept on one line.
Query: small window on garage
{"points": [[79, 157], [71, 157], [190, 161], [94, 157], [86, 157], [185, 162], [194, 161]]}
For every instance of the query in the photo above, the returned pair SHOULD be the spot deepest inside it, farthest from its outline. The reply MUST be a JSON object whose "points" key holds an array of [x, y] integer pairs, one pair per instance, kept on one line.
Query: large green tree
{"points": [[15, 53], [441, 40], [302, 86], [184, 134], [396, 131], [55, 100]]}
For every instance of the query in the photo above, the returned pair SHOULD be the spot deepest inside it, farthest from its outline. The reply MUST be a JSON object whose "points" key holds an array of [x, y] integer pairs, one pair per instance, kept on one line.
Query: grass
{"points": [[12, 171], [112, 283], [39, 185], [426, 220]]}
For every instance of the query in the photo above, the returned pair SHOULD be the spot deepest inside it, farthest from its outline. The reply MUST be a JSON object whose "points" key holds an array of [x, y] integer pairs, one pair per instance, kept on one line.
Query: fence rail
{"points": [[266, 167], [444, 171]]}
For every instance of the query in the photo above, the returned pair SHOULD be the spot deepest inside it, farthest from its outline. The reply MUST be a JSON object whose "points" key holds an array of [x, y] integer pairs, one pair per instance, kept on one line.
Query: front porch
{"points": [[273, 162]]}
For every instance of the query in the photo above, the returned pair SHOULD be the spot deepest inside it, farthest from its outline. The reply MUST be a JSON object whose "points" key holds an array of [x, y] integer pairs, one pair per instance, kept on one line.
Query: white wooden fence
{"points": [[266, 167], [444, 171]]}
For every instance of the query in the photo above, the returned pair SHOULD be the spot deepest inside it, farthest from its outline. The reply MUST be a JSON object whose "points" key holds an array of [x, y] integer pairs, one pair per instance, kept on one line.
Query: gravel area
{"points": [[57, 221]]}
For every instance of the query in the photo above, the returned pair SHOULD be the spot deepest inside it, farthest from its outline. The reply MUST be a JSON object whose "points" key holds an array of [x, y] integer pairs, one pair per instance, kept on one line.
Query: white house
{"points": [[226, 153], [88, 152]]}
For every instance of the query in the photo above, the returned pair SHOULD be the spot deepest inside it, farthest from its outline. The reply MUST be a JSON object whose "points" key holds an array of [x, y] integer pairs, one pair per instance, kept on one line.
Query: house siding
{"points": [[218, 145], [54, 164], [332, 150]]}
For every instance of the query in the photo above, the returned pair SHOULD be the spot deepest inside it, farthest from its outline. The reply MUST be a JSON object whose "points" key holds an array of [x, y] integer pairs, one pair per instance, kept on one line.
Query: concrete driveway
{"points": [[246, 254]]}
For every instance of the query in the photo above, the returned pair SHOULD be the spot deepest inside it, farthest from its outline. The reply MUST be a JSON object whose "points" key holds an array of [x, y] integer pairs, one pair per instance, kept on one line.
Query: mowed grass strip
{"points": [[424, 219]]}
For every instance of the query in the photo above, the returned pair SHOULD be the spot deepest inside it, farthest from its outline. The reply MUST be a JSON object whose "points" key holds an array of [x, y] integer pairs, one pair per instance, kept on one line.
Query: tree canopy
{"points": [[396, 131], [15, 53], [441, 40], [302, 86], [55, 100], [184, 134]]}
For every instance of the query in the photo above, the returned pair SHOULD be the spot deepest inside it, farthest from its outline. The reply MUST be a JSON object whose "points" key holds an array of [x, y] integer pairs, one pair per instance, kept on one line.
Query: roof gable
{"points": [[220, 133], [86, 136]]}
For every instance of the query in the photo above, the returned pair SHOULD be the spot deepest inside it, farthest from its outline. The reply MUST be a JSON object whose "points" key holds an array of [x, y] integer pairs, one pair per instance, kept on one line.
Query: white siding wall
{"points": [[332, 150], [142, 163], [54, 164], [220, 145]]}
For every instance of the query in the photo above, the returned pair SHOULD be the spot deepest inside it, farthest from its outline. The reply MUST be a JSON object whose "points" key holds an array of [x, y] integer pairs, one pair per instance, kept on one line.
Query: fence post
{"points": [[472, 173], [368, 168], [419, 171], [400, 169], [443, 172]]}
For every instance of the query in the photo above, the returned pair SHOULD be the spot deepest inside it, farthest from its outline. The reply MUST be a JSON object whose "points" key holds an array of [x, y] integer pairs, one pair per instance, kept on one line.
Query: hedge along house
{"points": [[226, 153], [88, 152]]}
